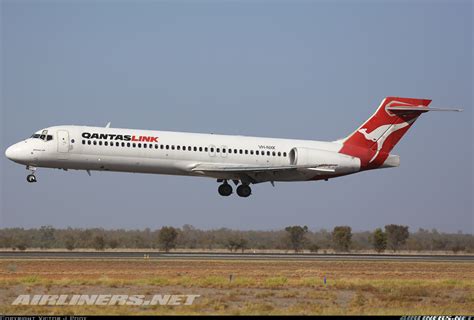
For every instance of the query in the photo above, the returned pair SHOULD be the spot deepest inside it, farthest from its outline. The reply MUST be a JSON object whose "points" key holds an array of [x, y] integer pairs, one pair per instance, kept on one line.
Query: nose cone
{"points": [[17, 153], [10, 152]]}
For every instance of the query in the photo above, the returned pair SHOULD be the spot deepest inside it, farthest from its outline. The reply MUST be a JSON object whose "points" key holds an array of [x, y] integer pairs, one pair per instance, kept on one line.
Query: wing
{"points": [[257, 174]]}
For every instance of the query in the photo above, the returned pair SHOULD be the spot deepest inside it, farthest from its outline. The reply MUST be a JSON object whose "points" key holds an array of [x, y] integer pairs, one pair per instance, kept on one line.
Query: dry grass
{"points": [[256, 287]]}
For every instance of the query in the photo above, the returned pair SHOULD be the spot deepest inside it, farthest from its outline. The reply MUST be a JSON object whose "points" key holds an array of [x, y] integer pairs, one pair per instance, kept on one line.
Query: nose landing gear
{"points": [[31, 177]]}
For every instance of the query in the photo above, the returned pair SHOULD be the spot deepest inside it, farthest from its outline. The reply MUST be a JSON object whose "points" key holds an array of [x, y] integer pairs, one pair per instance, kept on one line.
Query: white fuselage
{"points": [[244, 160], [178, 153]]}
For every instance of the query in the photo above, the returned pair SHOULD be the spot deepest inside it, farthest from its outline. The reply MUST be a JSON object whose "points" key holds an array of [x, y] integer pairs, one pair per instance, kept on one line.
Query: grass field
{"points": [[257, 287]]}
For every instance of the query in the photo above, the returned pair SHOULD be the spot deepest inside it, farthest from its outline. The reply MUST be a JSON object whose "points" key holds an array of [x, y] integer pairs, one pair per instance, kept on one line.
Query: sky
{"points": [[291, 69]]}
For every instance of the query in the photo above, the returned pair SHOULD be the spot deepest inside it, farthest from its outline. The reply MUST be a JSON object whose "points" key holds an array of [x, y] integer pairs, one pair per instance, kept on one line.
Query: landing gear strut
{"points": [[225, 189], [31, 177], [244, 190]]}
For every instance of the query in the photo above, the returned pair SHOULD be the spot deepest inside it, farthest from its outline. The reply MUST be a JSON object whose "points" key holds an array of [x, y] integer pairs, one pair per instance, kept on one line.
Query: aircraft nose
{"points": [[15, 153], [10, 152]]}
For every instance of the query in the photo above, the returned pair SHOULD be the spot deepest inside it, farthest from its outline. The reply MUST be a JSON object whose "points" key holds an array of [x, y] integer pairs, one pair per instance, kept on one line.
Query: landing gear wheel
{"points": [[31, 178], [244, 191], [225, 189]]}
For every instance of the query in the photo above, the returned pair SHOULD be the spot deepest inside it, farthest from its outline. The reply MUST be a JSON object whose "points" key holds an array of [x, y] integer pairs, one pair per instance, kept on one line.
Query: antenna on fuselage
{"points": [[108, 125]]}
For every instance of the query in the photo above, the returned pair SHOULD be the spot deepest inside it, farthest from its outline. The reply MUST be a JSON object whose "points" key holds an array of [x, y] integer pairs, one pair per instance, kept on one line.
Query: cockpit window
{"points": [[43, 136]]}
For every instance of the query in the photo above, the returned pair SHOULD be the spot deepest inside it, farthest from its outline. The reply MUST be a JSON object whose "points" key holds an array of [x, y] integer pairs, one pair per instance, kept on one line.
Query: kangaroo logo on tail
{"points": [[381, 134]]}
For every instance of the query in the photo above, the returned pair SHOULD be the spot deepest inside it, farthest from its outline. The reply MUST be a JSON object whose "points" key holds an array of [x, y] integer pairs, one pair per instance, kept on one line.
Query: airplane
{"points": [[242, 160]]}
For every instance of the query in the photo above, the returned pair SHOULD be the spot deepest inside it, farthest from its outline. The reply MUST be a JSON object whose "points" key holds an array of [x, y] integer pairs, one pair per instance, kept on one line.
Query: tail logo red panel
{"points": [[381, 134], [376, 137]]}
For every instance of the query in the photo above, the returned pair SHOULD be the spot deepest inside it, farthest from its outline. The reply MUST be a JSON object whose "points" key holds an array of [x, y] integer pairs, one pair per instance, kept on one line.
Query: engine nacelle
{"points": [[324, 160]]}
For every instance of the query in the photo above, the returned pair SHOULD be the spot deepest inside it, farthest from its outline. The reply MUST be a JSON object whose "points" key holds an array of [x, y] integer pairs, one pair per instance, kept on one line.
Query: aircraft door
{"points": [[63, 141]]}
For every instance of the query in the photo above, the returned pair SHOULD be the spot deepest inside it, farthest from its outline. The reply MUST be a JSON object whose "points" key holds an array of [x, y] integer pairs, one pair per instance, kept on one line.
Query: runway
{"points": [[121, 255]]}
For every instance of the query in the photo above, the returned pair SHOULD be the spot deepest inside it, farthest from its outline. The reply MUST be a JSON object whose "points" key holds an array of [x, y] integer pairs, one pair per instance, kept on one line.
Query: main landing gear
{"points": [[244, 190], [31, 177], [225, 189]]}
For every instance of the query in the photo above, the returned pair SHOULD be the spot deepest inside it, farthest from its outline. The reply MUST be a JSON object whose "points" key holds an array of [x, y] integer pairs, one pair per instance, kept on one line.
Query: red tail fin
{"points": [[373, 141]]}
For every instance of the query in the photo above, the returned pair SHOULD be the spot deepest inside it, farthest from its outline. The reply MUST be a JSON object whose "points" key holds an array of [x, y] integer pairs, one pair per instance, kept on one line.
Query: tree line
{"points": [[391, 238]]}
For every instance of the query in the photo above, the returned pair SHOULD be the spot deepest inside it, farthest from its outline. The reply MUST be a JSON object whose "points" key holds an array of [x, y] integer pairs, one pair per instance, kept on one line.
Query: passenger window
{"points": [[240, 151], [235, 151], [178, 147], [273, 153], [134, 145], [83, 141], [95, 143], [251, 152], [195, 149], [200, 149], [223, 150], [279, 153], [172, 147], [106, 143], [189, 148], [144, 145], [284, 154], [123, 144], [268, 153], [257, 152], [161, 146], [212, 149], [184, 148], [128, 144], [246, 152], [156, 146], [218, 150], [167, 147], [205, 149]]}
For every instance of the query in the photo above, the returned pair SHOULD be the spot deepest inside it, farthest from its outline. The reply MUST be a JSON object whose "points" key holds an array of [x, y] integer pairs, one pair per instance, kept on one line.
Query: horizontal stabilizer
{"points": [[397, 109]]}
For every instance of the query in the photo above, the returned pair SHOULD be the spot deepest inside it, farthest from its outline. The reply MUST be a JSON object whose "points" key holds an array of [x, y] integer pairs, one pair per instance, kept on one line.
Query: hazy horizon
{"points": [[238, 230]]}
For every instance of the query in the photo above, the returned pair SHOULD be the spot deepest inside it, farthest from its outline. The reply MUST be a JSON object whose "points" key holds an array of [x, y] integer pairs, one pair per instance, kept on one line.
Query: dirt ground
{"points": [[247, 287]]}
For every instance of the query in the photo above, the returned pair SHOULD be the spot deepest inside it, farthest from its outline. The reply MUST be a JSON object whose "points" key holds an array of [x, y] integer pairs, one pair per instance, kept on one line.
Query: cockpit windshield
{"points": [[42, 136]]}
